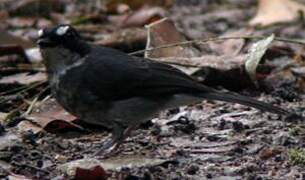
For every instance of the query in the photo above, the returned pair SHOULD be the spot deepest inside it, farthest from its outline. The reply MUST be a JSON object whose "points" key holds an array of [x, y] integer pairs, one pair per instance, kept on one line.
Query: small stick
{"points": [[295, 41]]}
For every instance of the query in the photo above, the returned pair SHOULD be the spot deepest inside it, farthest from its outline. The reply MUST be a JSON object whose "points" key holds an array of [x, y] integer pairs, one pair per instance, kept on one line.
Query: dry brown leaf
{"points": [[23, 78], [52, 117], [9, 39], [231, 46], [25, 126], [276, 11], [126, 39], [143, 16], [94, 173], [115, 6], [36, 7], [224, 62], [164, 32]]}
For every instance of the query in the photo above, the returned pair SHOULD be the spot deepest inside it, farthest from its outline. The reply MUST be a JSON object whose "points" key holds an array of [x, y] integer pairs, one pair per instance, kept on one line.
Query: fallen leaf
{"points": [[8, 140], [111, 164], [3, 116], [255, 54], [143, 16], [25, 126], [52, 117], [276, 11], [164, 32], [7, 38], [267, 153], [23, 78], [224, 62], [3, 15], [71, 167], [231, 46], [95, 173], [34, 7], [124, 39], [17, 177], [115, 6]]}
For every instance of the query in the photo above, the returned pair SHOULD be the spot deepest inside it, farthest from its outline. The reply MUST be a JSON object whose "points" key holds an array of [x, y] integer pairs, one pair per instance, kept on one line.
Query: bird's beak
{"points": [[45, 42]]}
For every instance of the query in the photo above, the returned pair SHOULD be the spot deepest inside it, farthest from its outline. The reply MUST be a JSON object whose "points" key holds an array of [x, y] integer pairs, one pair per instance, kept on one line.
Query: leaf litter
{"points": [[208, 140]]}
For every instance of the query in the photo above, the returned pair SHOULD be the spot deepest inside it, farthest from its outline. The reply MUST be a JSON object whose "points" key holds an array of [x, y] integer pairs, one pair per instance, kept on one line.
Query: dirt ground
{"points": [[210, 140]]}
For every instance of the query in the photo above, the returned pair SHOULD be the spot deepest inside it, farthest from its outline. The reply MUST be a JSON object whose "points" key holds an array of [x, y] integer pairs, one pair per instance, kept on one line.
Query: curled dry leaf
{"points": [[52, 117], [255, 54], [276, 11]]}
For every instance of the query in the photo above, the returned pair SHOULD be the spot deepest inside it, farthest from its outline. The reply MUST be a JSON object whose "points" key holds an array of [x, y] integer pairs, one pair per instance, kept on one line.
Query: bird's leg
{"points": [[109, 143], [126, 133], [110, 146]]}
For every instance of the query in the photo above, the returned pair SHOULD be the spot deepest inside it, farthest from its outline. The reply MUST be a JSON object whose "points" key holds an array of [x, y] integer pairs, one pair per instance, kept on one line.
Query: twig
{"points": [[219, 62], [23, 88], [30, 108], [295, 41]]}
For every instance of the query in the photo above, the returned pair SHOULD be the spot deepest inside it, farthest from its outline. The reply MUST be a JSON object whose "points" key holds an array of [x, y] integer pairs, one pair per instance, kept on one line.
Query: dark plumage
{"points": [[107, 87]]}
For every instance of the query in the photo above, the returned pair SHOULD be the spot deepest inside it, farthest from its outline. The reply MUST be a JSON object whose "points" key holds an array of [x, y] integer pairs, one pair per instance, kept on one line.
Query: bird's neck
{"points": [[58, 59], [80, 47]]}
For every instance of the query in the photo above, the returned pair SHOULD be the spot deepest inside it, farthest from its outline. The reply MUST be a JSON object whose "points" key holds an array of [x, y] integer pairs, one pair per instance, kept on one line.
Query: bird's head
{"points": [[61, 45], [64, 36]]}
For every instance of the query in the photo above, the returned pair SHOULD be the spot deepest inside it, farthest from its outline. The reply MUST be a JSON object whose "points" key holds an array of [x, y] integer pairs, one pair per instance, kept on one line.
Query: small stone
{"points": [[213, 137], [209, 176], [278, 158], [238, 126], [61, 158], [192, 169], [2, 130], [5, 155]]}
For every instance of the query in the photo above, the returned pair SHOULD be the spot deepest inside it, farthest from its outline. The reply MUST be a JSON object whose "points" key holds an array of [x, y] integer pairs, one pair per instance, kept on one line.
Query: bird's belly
{"points": [[127, 112], [137, 110], [84, 107], [68, 100]]}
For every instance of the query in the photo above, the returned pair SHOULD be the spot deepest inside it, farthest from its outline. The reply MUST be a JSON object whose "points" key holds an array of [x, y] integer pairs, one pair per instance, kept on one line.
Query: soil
{"points": [[210, 140]]}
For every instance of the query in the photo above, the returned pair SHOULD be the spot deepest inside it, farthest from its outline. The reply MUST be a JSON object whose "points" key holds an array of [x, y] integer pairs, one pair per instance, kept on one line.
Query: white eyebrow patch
{"points": [[40, 33], [62, 30]]}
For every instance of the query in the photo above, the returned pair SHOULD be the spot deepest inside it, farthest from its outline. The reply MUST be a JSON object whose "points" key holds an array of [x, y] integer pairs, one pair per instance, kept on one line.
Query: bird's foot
{"points": [[107, 149], [111, 145]]}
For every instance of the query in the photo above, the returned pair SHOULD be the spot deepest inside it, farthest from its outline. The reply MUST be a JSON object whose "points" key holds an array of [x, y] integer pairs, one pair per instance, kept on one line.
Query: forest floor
{"points": [[210, 140]]}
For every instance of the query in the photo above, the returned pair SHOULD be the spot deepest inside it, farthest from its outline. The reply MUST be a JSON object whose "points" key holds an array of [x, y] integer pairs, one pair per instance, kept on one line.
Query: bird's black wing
{"points": [[113, 75]]}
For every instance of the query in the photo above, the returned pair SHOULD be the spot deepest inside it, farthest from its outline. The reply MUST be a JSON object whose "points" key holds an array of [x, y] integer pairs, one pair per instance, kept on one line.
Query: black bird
{"points": [[104, 86]]}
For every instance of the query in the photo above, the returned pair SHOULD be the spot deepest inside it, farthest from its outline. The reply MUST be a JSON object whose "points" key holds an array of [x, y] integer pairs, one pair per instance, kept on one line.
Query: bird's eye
{"points": [[40, 33], [62, 30]]}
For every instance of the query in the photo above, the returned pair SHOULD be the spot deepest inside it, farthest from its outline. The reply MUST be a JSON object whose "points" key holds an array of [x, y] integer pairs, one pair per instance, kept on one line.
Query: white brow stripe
{"points": [[40, 33], [62, 30]]}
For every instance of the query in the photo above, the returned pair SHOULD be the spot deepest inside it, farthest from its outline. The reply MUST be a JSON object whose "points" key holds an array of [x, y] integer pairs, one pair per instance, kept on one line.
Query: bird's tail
{"points": [[236, 98]]}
